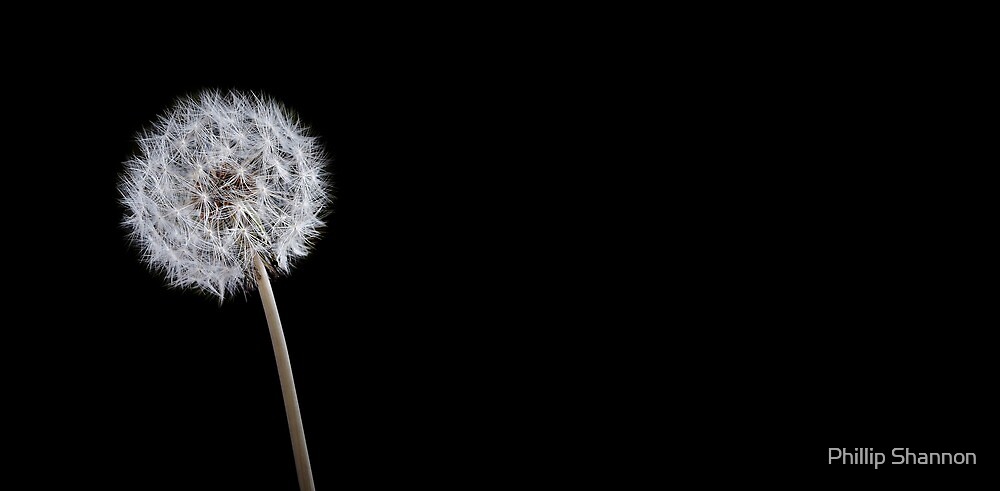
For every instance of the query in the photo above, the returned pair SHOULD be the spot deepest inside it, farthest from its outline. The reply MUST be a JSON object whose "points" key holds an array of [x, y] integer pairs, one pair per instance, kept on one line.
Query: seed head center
{"points": [[226, 192]]}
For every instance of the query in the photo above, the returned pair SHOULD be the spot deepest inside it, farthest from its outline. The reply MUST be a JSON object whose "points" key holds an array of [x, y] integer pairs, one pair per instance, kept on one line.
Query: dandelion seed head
{"points": [[219, 179]]}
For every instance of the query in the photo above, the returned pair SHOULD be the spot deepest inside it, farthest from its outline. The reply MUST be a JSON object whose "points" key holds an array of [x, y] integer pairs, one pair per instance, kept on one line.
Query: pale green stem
{"points": [[302, 467]]}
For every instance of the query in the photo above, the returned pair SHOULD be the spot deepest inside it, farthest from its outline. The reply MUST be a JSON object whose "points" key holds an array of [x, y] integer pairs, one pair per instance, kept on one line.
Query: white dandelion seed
{"points": [[224, 188], [219, 180]]}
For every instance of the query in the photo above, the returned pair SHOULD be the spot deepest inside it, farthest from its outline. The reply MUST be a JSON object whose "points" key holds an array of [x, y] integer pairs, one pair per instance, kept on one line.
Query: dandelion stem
{"points": [[302, 467]]}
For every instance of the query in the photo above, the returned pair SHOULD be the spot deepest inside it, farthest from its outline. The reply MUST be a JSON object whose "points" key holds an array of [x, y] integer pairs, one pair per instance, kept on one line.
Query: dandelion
{"points": [[226, 187], [219, 181]]}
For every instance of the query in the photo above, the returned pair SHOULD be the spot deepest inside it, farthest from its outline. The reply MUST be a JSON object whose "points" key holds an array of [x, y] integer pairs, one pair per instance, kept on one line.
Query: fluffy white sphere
{"points": [[219, 179]]}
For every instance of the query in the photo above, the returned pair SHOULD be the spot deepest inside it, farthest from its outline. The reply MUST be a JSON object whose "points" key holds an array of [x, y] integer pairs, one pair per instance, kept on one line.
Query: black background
{"points": [[541, 258], [861, 269]]}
